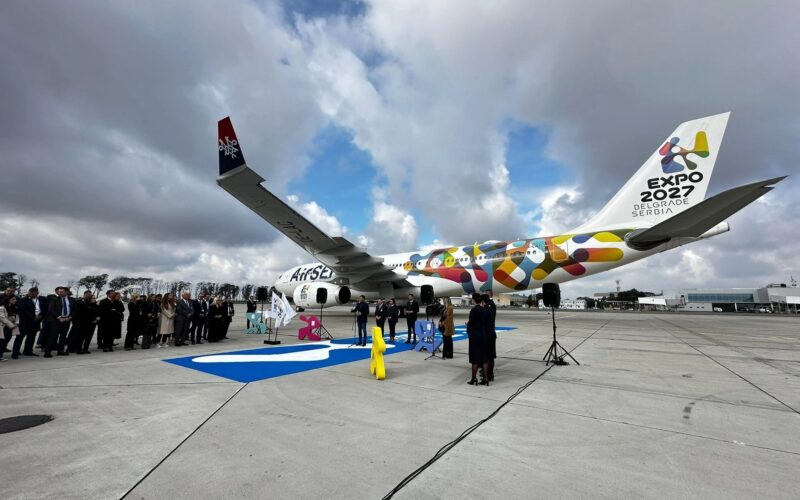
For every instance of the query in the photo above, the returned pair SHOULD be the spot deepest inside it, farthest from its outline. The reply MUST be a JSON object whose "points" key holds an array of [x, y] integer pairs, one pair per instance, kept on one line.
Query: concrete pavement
{"points": [[662, 405]]}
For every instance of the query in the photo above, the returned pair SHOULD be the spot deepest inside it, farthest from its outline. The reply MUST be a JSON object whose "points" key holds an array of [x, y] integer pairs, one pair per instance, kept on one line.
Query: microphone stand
{"points": [[354, 331]]}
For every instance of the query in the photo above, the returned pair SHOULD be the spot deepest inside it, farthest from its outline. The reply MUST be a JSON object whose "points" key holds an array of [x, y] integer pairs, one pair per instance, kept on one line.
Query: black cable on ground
{"points": [[181, 443], [449, 446], [444, 449]]}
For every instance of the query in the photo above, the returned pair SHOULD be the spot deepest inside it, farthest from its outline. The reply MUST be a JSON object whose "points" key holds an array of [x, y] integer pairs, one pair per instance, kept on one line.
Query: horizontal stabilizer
{"points": [[695, 221]]}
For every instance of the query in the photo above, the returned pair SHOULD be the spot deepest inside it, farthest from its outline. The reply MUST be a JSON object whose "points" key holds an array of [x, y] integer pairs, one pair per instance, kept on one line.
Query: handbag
{"points": [[440, 327]]}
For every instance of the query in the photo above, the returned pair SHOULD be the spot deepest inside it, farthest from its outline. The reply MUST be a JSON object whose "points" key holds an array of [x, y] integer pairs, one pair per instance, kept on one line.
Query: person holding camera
{"points": [[362, 313]]}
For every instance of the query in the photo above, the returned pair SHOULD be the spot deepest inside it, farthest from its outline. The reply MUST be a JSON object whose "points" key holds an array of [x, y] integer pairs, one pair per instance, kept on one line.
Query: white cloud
{"points": [[319, 216], [391, 229]]}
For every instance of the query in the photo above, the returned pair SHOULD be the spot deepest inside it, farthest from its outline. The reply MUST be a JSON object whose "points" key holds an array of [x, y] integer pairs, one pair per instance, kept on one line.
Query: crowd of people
{"points": [[62, 324], [59, 323]]}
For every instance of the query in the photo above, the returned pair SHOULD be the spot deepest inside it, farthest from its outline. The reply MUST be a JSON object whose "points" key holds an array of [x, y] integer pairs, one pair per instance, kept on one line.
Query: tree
{"points": [[21, 279], [179, 286], [119, 282], [34, 283], [146, 284], [93, 283], [632, 294], [590, 302], [247, 290], [228, 290], [8, 280], [531, 300]]}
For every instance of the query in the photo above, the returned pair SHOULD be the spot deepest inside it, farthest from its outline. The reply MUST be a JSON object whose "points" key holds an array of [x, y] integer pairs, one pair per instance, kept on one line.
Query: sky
{"points": [[398, 124]]}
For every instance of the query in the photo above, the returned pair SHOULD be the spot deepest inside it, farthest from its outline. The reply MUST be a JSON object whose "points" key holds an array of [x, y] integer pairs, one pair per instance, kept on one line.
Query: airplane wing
{"points": [[695, 221], [350, 263]]}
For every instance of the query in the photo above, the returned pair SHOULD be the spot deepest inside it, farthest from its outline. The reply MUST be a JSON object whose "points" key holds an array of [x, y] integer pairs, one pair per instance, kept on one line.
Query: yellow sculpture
{"points": [[376, 365]]}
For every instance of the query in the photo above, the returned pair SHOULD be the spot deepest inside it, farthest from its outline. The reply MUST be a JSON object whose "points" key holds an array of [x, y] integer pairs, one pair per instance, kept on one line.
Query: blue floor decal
{"points": [[269, 362]]}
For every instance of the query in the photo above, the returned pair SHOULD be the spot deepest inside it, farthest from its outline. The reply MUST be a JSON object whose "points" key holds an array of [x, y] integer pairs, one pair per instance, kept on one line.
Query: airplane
{"points": [[661, 207]]}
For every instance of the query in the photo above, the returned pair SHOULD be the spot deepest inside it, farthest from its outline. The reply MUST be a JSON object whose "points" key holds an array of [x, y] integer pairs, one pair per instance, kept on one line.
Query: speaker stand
{"points": [[556, 353], [321, 331]]}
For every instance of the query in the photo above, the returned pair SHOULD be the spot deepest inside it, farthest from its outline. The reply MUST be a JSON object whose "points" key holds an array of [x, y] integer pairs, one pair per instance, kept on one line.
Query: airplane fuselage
{"points": [[502, 267]]}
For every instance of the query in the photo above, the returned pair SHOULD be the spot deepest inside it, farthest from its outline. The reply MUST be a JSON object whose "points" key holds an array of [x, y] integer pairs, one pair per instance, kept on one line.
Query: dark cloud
{"points": [[110, 113]]}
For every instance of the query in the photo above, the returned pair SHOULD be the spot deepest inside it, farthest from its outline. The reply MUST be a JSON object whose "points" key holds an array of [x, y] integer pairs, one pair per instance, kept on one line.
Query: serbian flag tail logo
{"points": [[230, 154]]}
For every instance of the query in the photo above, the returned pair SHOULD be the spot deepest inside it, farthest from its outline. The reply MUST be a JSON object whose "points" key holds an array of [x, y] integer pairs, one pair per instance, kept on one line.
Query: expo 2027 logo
{"points": [[670, 151]]}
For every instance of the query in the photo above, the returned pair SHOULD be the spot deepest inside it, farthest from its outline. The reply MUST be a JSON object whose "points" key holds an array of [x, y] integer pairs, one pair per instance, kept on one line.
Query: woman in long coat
{"points": [[394, 312], [135, 316], [477, 332], [166, 326], [448, 329], [10, 323], [217, 313]]}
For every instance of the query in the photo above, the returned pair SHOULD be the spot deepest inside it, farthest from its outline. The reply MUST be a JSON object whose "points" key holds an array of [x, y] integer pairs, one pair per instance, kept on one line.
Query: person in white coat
{"points": [[166, 324], [10, 323]]}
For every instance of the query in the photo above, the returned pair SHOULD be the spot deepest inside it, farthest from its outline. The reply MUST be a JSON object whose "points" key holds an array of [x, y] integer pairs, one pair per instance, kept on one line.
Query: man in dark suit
{"points": [[59, 318], [184, 313], [198, 319], [381, 312], [105, 308], [252, 306], [362, 313], [412, 308], [32, 309], [202, 320]]}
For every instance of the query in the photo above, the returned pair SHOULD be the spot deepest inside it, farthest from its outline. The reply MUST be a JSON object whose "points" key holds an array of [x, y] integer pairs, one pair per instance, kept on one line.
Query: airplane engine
{"points": [[313, 295]]}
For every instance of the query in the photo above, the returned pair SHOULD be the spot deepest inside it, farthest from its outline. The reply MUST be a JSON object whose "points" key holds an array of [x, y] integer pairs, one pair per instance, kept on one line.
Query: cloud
{"points": [[108, 126], [391, 229], [318, 216]]}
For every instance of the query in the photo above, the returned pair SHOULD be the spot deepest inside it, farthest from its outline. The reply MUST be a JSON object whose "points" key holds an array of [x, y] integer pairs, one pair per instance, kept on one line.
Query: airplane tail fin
{"points": [[673, 179], [708, 214], [230, 153]]}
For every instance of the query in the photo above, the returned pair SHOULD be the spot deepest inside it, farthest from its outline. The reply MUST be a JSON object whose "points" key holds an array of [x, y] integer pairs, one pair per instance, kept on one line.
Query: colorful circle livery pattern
{"points": [[514, 264]]}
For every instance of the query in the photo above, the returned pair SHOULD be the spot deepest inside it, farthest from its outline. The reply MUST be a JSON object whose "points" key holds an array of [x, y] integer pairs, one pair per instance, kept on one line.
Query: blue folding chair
{"points": [[426, 333]]}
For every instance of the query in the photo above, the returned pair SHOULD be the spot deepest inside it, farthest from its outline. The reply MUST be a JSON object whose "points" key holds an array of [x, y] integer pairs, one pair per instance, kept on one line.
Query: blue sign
{"points": [[269, 362]]}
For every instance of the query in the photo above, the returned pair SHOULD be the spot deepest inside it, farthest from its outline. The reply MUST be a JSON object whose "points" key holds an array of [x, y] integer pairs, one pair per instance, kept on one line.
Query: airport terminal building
{"points": [[772, 298]]}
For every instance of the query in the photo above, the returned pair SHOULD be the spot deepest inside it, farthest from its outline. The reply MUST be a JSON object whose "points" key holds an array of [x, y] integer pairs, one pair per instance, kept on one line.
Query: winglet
{"points": [[230, 153]]}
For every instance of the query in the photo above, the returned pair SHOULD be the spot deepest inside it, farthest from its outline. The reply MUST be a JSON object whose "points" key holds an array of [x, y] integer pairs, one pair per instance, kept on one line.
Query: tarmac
{"points": [[661, 406]]}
